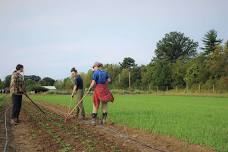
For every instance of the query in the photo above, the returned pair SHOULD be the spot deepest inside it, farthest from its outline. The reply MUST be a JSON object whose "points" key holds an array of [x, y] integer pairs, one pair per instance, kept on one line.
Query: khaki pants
{"points": [[80, 111]]}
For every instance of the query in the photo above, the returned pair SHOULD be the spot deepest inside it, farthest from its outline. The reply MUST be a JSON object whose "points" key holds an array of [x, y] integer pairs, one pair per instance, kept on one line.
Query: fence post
{"points": [[213, 88], [129, 79], [187, 88]]}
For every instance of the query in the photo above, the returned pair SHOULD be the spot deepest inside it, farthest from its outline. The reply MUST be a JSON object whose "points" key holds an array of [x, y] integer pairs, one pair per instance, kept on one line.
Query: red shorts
{"points": [[102, 94]]}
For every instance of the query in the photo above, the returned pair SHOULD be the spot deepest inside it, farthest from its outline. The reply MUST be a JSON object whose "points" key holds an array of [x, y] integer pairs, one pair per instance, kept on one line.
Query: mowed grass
{"points": [[197, 120], [1, 99]]}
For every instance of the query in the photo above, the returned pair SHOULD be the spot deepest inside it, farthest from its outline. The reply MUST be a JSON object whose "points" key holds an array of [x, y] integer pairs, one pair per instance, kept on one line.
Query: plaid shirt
{"points": [[17, 85]]}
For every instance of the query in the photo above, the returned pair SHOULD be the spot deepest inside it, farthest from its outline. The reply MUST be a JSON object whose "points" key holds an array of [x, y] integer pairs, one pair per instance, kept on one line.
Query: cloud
{"points": [[51, 36]]}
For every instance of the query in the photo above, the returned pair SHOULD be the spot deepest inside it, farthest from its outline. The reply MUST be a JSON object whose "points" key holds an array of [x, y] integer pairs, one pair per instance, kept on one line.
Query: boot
{"points": [[104, 117], [17, 120], [94, 116], [12, 122]]}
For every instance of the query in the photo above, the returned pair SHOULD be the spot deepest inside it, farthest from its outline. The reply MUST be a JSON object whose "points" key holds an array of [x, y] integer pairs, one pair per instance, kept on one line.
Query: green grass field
{"points": [[198, 120], [1, 100]]}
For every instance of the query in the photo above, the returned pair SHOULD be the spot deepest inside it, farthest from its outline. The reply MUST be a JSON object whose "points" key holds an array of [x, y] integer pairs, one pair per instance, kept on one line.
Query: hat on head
{"points": [[97, 64]]}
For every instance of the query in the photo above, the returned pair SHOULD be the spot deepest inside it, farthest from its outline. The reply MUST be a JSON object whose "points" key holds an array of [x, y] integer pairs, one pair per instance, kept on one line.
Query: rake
{"points": [[35, 104], [72, 110]]}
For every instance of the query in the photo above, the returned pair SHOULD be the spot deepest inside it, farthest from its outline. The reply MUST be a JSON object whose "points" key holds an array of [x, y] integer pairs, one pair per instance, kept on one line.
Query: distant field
{"points": [[198, 120]]}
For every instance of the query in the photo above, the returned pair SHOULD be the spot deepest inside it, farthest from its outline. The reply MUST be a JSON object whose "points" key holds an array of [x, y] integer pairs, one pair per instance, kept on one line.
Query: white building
{"points": [[50, 88]]}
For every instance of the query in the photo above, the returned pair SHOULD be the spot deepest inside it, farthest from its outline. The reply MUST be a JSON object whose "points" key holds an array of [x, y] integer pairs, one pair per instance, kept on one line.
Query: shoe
{"points": [[13, 122], [94, 116], [17, 120], [104, 117]]}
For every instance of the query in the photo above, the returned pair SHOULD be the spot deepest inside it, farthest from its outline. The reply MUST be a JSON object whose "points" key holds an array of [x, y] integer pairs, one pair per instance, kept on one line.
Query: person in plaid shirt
{"points": [[17, 89]]}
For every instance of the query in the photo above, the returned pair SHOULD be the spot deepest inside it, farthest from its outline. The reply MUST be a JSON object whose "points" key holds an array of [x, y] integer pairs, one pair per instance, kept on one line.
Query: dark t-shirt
{"points": [[79, 82]]}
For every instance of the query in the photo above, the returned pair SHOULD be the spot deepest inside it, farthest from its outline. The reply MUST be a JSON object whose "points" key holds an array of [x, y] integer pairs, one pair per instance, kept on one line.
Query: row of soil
{"points": [[70, 136]]}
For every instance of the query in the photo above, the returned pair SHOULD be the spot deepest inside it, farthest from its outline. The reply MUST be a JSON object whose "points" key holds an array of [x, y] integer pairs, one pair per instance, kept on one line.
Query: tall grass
{"points": [[1, 99], [197, 120]]}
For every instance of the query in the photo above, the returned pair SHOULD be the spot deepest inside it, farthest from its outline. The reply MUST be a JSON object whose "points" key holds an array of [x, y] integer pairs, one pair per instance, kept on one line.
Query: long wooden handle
{"points": [[35, 104], [75, 106]]}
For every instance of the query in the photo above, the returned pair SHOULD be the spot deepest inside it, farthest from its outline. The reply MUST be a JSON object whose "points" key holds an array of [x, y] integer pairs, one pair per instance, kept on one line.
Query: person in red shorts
{"points": [[100, 80]]}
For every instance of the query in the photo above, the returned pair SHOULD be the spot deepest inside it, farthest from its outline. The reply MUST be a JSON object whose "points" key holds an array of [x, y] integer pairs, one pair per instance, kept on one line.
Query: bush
{"points": [[209, 84], [222, 84]]}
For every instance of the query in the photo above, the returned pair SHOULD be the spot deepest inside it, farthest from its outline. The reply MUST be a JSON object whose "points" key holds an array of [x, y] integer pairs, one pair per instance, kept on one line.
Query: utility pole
{"points": [[129, 73]]}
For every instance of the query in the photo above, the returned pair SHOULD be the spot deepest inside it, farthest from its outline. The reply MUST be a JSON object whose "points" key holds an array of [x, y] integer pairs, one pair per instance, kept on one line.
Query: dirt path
{"points": [[3, 135], [19, 137], [6, 144], [22, 136], [132, 138]]}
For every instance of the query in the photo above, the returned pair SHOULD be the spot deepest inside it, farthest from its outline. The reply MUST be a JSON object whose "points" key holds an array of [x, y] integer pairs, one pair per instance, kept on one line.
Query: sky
{"points": [[49, 37]]}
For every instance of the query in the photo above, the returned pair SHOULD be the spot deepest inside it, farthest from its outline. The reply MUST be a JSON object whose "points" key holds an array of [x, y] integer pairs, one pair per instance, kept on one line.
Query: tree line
{"points": [[32, 82], [178, 62]]}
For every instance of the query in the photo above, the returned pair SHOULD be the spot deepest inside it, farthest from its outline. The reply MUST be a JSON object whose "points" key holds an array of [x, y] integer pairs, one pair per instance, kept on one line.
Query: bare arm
{"points": [[92, 85], [74, 91]]}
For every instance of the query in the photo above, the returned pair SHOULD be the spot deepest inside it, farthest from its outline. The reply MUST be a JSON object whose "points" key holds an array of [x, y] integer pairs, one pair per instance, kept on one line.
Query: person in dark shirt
{"points": [[78, 89], [100, 80]]}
